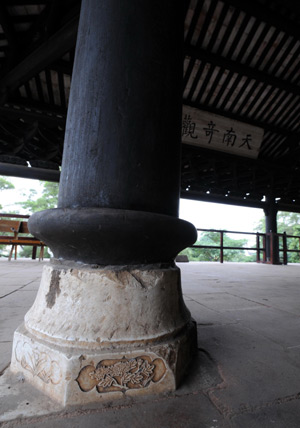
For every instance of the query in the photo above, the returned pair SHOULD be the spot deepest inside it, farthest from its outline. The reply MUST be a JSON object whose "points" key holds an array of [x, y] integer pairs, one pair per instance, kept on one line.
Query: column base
{"points": [[107, 236], [98, 333], [80, 376]]}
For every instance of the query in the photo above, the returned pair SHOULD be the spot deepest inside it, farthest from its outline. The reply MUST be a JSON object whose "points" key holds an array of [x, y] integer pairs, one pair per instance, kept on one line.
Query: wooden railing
{"points": [[285, 248], [260, 248]]}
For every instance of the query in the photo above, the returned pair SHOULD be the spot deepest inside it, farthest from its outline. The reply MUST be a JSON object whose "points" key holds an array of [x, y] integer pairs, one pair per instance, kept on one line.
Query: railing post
{"points": [[33, 256], [257, 248], [265, 249], [284, 247], [221, 245], [271, 248]]}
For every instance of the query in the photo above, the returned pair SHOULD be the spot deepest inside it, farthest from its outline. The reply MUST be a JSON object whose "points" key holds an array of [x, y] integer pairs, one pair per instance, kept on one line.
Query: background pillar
{"points": [[272, 242]]}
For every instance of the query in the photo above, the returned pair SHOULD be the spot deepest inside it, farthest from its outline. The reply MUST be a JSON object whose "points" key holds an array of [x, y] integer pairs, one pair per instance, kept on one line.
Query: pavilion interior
{"points": [[240, 146], [241, 62]]}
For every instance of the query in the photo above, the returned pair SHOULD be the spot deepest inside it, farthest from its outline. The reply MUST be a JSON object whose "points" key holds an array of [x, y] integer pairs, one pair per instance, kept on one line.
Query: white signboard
{"points": [[215, 132]]}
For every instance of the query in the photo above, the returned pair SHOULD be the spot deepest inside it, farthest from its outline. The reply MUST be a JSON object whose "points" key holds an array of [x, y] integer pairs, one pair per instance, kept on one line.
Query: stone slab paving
{"points": [[250, 325], [246, 373], [19, 282]]}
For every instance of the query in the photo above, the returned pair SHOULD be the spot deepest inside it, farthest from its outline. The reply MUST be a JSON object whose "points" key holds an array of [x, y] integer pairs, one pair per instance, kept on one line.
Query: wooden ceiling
{"points": [[241, 61]]}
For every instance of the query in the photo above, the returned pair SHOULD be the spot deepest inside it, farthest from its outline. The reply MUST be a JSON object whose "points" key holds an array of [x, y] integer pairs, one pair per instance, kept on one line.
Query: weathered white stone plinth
{"points": [[97, 333]]}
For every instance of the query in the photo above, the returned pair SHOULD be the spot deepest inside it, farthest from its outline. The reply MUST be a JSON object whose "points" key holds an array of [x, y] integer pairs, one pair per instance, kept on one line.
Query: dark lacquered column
{"points": [[119, 187], [272, 243], [111, 298]]}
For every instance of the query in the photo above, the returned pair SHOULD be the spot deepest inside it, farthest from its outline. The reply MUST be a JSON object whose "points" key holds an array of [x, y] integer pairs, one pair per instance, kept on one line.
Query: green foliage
{"points": [[5, 184], [290, 223], [261, 226], [33, 203], [26, 251], [211, 254], [47, 200], [286, 222]]}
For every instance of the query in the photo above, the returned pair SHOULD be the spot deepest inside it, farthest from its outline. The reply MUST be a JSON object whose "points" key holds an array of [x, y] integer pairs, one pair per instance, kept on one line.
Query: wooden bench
{"points": [[17, 228]]}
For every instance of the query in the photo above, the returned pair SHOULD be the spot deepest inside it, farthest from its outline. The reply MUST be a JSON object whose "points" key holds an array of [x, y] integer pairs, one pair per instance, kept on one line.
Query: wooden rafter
{"points": [[49, 51]]}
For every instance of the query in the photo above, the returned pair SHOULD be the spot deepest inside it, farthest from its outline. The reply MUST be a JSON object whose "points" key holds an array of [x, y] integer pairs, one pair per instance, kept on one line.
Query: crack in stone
{"points": [[3, 371], [222, 408], [237, 322], [249, 300], [105, 407], [247, 408], [138, 280], [18, 289], [230, 320], [228, 412]]}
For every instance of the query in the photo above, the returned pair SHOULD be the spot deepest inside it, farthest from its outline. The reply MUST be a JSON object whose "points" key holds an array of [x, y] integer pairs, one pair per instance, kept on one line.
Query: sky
{"points": [[207, 215], [22, 185], [203, 215]]}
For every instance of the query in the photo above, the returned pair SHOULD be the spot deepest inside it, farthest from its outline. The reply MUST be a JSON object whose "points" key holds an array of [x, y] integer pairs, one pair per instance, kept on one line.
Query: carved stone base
{"points": [[78, 376], [97, 333]]}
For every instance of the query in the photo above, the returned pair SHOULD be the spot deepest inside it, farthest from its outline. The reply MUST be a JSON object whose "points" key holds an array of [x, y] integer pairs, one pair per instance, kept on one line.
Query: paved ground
{"points": [[19, 282], [246, 373]]}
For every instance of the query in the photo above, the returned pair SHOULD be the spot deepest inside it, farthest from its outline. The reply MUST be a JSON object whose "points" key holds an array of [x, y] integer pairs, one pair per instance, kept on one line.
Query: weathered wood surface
{"points": [[15, 228]]}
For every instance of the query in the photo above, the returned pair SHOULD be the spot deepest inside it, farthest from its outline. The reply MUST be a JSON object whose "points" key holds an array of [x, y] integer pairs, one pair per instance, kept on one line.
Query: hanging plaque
{"points": [[215, 132]]}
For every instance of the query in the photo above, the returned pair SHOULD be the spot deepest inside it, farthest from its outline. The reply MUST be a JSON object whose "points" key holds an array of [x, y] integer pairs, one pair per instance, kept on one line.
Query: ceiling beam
{"points": [[48, 52], [236, 67], [43, 174], [50, 118], [62, 66], [189, 153], [25, 2], [7, 27], [199, 196], [237, 202], [268, 15]]}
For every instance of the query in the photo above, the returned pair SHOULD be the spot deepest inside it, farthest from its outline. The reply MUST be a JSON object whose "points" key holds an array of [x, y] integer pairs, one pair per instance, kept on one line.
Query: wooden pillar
{"points": [[221, 245], [257, 248], [112, 292], [272, 242]]}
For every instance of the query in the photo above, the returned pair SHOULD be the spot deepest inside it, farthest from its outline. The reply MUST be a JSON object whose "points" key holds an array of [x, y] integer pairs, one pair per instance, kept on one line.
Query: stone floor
{"points": [[246, 373]]}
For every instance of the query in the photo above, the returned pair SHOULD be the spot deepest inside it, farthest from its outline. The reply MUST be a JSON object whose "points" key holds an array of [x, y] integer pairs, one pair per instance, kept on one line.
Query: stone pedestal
{"points": [[97, 333]]}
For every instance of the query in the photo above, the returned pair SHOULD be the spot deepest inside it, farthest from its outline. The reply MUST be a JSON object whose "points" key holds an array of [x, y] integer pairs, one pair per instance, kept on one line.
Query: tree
{"points": [[47, 200], [5, 184], [286, 222], [237, 255], [290, 223], [211, 254]]}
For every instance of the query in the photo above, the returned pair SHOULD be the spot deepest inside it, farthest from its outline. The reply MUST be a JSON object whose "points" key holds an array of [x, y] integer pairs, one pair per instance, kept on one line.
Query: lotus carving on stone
{"points": [[121, 374]]}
